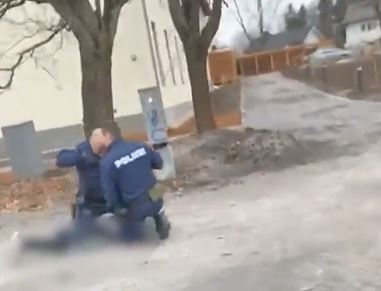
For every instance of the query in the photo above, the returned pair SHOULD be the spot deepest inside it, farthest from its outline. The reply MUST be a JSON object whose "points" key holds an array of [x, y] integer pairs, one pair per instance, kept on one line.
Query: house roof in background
{"points": [[360, 11], [281, 40]]}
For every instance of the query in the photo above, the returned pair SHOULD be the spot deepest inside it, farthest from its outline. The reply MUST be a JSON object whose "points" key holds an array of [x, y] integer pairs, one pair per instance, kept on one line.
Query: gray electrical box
{"points": [[154, 116], [156, 126], [23, 150]]}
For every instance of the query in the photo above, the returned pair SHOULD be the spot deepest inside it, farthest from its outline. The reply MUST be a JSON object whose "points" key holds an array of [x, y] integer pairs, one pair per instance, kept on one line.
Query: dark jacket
{"points": [[87, 164], [127, 172]]}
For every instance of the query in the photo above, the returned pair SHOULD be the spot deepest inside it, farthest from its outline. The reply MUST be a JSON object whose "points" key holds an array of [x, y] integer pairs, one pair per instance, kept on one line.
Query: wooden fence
{"points": [[225, 67]]}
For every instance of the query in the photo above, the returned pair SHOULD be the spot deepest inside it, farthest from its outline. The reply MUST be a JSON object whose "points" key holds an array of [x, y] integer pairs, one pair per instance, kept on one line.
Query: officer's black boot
{"points": [[163, 226]]}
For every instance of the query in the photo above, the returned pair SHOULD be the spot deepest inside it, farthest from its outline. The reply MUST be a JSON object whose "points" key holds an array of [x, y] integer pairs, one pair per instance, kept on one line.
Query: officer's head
{"points": [[102, 137]]}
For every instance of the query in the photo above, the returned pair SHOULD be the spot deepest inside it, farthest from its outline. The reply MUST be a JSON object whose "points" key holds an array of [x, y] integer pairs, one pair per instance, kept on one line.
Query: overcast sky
{"points": [[230, 30]]}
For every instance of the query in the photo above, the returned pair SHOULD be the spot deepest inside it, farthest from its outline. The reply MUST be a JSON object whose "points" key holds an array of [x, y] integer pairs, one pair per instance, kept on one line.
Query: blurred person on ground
{"points": [[89, 205], [127, 178]]}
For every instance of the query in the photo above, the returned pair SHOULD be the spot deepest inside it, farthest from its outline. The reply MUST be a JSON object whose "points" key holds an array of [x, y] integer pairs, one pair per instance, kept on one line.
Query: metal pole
{"points": [[359, 80], [376, 77], [325, 78]]}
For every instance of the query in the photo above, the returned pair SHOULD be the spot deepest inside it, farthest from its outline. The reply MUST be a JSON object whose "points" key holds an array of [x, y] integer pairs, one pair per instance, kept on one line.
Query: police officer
{"points": [[89, 200], [127, 178]]}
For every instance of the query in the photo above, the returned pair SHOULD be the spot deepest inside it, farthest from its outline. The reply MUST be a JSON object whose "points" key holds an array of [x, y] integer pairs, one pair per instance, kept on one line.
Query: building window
{"points": [[158, 56], [372, 25], [179, 61], [169, 56]]}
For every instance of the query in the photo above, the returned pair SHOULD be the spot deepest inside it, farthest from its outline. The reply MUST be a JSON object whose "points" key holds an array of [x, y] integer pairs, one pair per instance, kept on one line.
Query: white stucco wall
{"points": [[175, 91], [359, 33], [53, 102]]}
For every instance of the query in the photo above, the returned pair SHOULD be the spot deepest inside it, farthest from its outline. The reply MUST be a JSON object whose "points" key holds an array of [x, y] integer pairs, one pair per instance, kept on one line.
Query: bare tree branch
{"points": [[12, 71], [211, 27], [178, 18], [80, 16], [76, 14], [40, 27], [253, 17], [30, 36], [193, 19], [119, 3], [241, 22], [205, 7], [98, 12], [55, 30], [41, 24], [111, 21], [83, 11], [9, 4]]}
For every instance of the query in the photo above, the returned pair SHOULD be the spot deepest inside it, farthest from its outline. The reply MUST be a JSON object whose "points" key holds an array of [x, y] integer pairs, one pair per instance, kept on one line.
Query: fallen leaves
{"points": [[33, 195]]}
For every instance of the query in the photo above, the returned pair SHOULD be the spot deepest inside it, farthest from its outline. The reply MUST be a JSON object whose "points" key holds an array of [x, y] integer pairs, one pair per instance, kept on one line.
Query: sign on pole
{"points": [[156, 126], [154, 115]]}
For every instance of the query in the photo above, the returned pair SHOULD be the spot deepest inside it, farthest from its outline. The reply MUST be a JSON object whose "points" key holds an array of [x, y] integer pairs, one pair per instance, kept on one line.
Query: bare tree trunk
{"points": [[202, 103], [97, 94]]}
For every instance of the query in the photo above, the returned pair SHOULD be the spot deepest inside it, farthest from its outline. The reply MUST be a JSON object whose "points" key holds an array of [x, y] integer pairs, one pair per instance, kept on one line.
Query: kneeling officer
{"points": [[127, 178], [89, 201]]}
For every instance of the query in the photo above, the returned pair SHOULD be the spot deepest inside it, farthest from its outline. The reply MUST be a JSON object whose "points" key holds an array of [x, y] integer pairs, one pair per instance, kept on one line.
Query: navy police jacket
{"points": [[87, 164], [127, 172]]}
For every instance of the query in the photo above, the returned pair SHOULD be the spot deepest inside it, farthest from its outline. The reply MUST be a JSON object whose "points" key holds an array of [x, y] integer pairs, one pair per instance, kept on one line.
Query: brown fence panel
{"points": [[279, 60], [222, 66], [264, 63], [295, 55], [248, 65]]}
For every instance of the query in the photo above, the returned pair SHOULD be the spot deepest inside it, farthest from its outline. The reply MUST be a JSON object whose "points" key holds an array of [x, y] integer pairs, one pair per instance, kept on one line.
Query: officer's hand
{"points": [[150, 146]]}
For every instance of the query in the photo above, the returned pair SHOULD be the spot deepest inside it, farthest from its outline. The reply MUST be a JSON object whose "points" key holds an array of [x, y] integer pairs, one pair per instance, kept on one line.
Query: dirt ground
{"points": [[203, 162], [211, 161], [291, 205], [312, 227]]}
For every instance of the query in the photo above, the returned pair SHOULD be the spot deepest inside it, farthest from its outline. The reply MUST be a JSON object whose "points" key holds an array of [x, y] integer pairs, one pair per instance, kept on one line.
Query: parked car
{"points": [[329, 55]]}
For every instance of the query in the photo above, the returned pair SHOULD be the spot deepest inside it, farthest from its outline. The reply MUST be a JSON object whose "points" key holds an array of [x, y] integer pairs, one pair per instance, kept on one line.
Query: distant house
{"points": [[294, 37], [361, 24]]}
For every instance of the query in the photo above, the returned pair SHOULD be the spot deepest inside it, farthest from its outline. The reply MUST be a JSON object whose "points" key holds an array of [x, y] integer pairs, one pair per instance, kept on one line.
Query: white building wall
{"points": [[362, 33], [53, 102], [175, 89], [129, 75]]}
